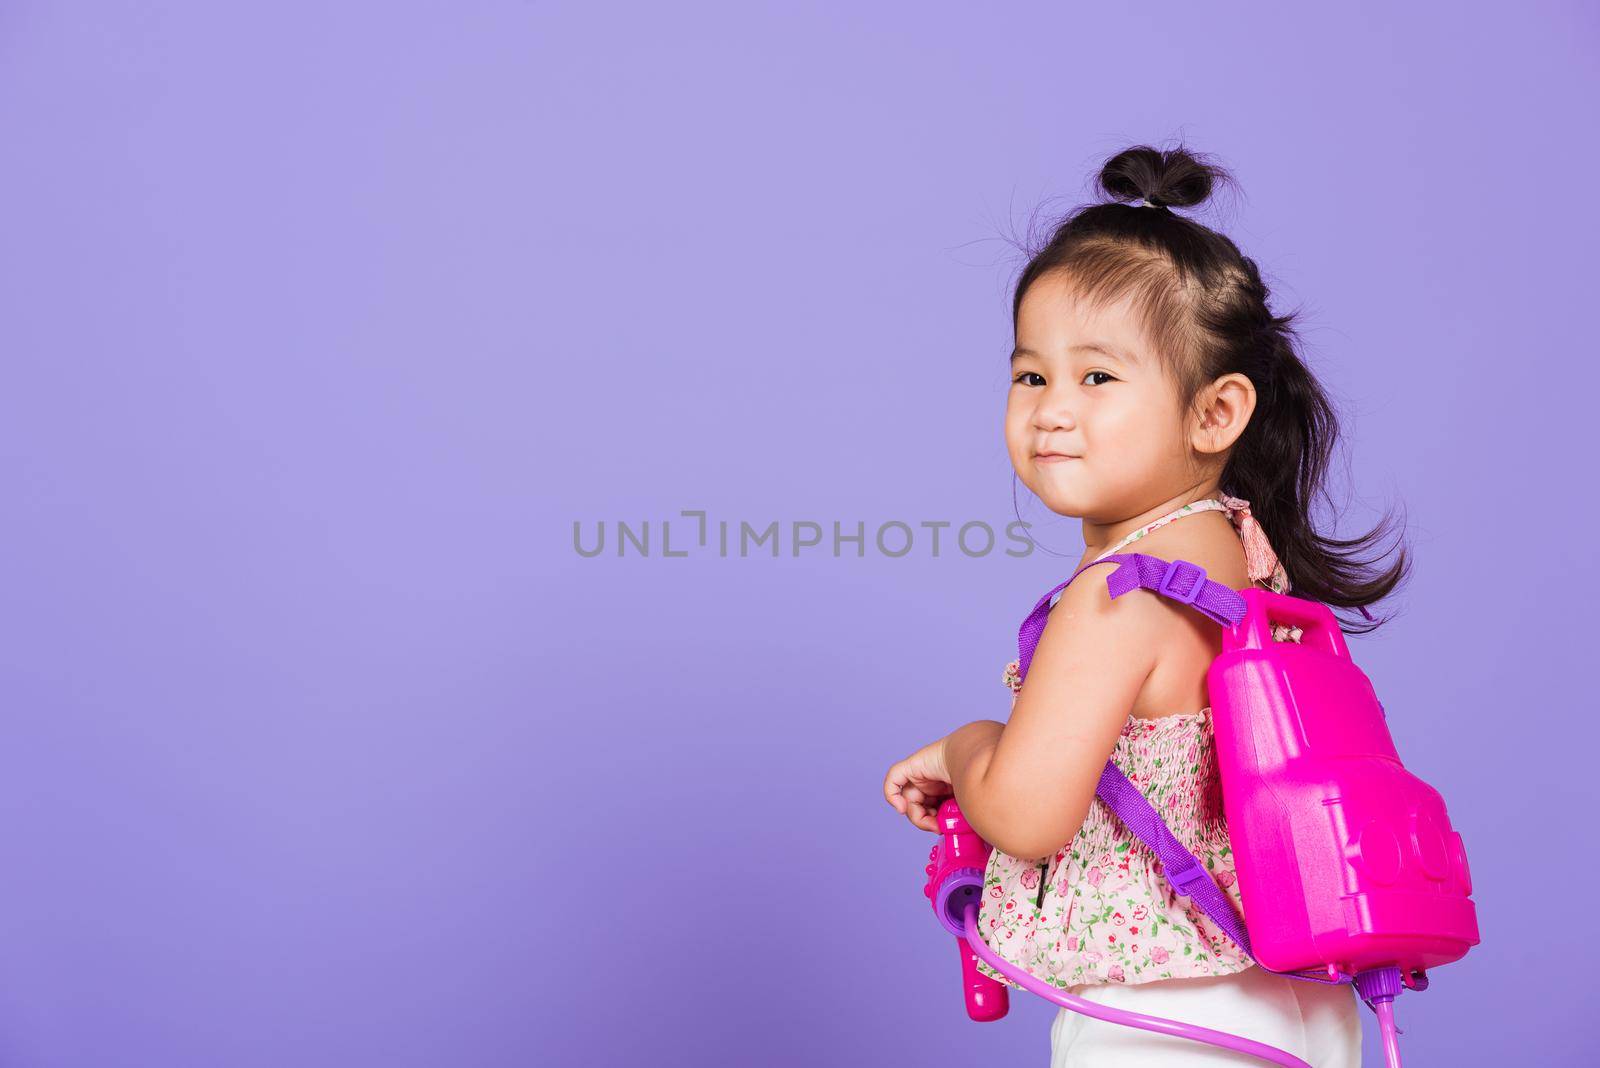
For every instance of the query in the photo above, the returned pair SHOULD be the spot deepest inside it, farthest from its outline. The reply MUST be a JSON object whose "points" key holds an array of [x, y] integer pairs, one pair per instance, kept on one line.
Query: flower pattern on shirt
{"points": [[1101, 910]]}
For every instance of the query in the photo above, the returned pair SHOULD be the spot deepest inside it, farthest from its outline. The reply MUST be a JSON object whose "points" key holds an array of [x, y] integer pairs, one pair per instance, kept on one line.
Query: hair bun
{"points": [[1174, 179]]}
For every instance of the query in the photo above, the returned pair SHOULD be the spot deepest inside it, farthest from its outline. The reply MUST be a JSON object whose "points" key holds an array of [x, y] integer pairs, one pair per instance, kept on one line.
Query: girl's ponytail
{"points": [[1280, 465]]}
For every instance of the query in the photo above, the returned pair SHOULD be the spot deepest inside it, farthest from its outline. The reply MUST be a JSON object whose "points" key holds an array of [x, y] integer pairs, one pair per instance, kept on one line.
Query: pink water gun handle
{"points": [[955, 883]]}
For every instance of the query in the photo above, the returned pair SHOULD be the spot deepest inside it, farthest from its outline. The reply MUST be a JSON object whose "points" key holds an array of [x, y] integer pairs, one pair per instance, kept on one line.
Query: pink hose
{"points": [[1391, 1044], [1122, 1016]]}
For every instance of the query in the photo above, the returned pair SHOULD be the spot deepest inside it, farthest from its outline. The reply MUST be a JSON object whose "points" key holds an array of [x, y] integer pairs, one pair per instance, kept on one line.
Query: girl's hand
{"points": [[919, 784]]}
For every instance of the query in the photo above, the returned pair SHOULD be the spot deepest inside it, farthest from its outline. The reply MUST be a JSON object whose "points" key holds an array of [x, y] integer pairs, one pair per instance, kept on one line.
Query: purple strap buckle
{"points": [[1184, 881], [1174, 569]]}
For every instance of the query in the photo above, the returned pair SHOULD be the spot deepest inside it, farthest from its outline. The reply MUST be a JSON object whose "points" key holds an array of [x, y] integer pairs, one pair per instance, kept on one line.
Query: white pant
{"points": [[1316, 1022]]}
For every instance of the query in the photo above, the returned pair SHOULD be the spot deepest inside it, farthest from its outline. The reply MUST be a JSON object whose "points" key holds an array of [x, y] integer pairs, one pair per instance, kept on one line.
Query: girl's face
{"points": [[1086, 386]]}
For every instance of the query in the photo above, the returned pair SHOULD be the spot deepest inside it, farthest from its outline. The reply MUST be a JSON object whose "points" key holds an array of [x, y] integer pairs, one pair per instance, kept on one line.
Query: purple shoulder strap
{"points": [[1186, 583], [1179, 579]]}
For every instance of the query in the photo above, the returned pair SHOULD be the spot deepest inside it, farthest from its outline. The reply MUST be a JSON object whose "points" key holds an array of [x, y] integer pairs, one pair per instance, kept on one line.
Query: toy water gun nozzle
{"points": [[955, 870]]}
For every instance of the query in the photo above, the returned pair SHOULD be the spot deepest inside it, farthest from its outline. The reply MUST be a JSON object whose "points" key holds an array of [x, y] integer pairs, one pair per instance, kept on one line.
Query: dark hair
{"points": [[1202, 304]]}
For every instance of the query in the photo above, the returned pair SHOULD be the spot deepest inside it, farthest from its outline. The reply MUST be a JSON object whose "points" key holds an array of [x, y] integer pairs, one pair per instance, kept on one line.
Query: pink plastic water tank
{"points": [[1342, 855]]}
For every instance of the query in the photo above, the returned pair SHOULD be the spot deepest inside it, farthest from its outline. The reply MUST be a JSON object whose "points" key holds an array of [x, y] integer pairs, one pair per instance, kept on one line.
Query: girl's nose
{"points": [[1053, 412]]}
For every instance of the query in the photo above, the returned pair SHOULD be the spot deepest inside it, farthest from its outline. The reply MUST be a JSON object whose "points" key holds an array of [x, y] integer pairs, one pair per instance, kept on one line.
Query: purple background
{"points": [[323, 323]]}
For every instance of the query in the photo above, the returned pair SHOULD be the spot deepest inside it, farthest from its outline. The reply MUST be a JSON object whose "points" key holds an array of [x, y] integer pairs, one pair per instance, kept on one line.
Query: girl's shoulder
{"points": [[1186, 641], [1212, 544], [1215, 547]]}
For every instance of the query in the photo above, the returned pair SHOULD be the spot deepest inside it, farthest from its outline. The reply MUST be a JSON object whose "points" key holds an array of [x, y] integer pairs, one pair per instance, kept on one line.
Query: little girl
{"points": [[1154, 396]]}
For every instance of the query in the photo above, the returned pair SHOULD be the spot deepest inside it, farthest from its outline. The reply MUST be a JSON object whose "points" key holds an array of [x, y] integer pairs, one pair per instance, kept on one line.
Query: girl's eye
{"points": [[1018, 380]]}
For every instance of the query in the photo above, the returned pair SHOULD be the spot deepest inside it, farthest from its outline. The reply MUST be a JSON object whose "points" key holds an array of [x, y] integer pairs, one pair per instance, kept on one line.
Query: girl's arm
{"points": [[1026, 786]]}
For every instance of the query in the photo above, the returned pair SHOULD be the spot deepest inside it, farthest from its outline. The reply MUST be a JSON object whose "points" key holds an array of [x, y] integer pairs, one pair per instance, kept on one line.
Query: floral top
{"points": [[1101, 910]]}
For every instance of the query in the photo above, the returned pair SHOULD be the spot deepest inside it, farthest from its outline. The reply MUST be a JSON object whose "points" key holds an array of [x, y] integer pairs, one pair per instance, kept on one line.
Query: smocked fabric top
{"points": [[1101, 910]]}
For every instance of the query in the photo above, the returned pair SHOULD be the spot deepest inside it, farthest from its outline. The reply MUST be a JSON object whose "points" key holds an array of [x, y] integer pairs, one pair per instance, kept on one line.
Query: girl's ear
{"points": [[1224, 409]]}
